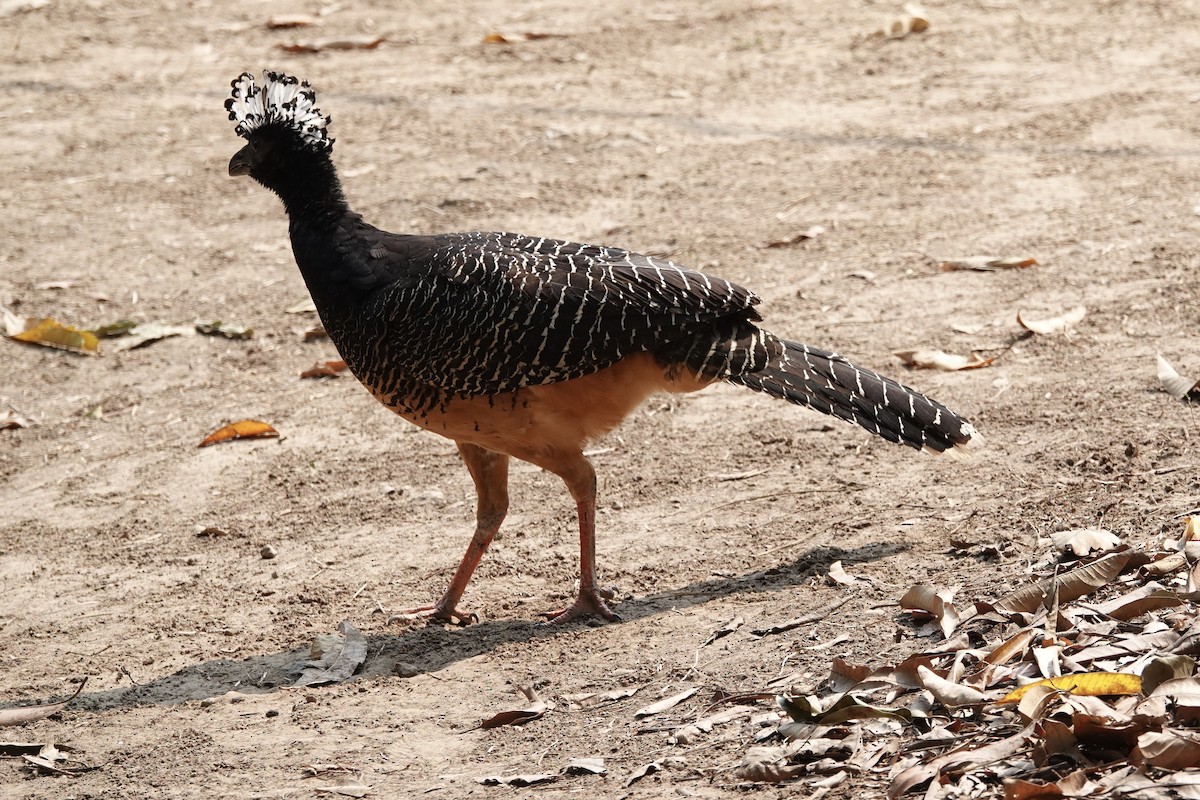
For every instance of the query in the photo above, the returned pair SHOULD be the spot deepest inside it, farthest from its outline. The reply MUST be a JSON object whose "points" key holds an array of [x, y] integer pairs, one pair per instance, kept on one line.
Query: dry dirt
{"points": [[1037, 129]]}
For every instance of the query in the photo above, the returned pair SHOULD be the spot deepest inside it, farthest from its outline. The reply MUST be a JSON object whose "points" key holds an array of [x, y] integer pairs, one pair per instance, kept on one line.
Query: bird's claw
{"points": [[436, 612], [586, 603]]}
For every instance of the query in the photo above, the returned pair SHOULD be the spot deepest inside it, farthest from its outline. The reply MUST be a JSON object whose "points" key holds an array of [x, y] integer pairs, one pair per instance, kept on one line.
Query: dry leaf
{"points": [[1069, 586], [838, 575], [1062, 322], [924, 771], [324, 369], [643, 771], [813, 232], [334, 657], [245, 429], [1088, 684], [150, 332], [12, 323], [320, 45], [1169, 749], [494, 38], [937, 359], [665, 704], [937, 602], [762, 764], [518, 780], [1177, 386], [10, 420], [519, 716], [1010, 649], [913, 20], [23, 715], [303, 307], [948, 693], [346, 789], [986, 263], [1082, 541], [593, 699], [585, 766], [49, 333], [724, 630], [284, 21], [316, 332], [118, 328], [226, 329], [1166, 668]]}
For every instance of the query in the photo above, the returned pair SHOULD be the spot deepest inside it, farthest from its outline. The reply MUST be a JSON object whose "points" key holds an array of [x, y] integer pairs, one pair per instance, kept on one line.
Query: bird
{"points": [[525, 347]]}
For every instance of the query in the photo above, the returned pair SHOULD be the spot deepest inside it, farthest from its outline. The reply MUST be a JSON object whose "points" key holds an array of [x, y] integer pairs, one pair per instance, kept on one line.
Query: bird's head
{"points": [[281, 125]]}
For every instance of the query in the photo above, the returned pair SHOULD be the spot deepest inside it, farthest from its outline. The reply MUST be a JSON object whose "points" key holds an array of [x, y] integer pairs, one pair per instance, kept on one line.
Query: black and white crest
{"points": [[281, 99]]}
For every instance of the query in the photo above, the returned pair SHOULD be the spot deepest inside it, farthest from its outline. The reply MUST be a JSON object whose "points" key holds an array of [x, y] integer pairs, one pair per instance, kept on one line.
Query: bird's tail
{"points": [[831, 384]]}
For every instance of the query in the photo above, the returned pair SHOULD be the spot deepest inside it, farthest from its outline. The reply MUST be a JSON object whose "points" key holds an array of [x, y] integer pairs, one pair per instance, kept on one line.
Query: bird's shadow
{"points": [[431, 648]]}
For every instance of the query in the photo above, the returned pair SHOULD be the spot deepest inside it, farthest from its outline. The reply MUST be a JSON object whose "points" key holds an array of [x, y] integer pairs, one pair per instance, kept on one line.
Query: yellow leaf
{"points": [[54, 334], [246, 429], [1092, 684]]}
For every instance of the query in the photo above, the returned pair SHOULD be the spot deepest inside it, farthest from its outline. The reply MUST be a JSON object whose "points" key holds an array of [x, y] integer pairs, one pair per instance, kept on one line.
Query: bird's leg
{"points": [[490, 471], [581, 480]]}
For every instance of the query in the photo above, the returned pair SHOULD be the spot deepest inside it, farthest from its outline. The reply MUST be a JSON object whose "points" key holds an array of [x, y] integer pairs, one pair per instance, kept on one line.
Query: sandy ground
{"points": [[1032, 129]]}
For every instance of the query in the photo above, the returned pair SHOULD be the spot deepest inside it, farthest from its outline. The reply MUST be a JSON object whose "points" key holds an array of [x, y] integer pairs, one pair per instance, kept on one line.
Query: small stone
{"points": [[267, 552], [272, 712], [406, 670]]}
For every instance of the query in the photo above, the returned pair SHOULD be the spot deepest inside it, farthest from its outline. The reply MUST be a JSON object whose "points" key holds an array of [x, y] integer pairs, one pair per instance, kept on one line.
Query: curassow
{"points": [[517, 346]]}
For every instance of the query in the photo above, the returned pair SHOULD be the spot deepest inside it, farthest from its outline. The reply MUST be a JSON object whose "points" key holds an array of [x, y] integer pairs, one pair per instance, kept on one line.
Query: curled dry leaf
{"points": [[285, 21], [762, 764], [1062, 322], [518, 780], [245, 429], [803, 236], [585, 766], [937, 359], [913, 20], [643, 771], [325, 369], [1166, 668], [593, 699], [495, 38], [1169, 749], [150, 332], [1069, 586], [1015, 646], [838, 575], [334, 657], [303, 307], [23, 715], [10, 420], [49, 333], [1087, 684], [519, 716], [1177, 386], [948, 693], [1082, 541], [938, 602], [320, 45], [986, 263], [724, 630], [665, 704]]}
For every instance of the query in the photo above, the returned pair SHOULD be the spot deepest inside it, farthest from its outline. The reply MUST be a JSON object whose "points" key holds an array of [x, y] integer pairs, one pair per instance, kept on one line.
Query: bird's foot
{"points": [[586, 603], [437, 611]]}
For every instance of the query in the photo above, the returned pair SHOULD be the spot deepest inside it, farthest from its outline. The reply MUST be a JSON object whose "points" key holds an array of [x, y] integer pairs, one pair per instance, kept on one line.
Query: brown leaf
{"points": [[986, 263], [10, 420], [1062, 322], [518, 780], [23, 715], [762, 764], [937, 602], [50, 333], [937, 359], [948, 693], [724, 630], [494, 38], [966, 755], [1070, 585], [665, 704], [285, 21], [1010, 649], [643, 771], [838, 575], [316, 332], [324, 369], [245, 429], [1015, 789], [320, 45], [593, 699], [1170, 749], [813, 232], [334, 657], [519, 716], [1166, 668]]}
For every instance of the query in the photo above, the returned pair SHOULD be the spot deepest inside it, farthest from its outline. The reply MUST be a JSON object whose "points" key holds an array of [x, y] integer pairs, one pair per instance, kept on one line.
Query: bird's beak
{"points": [[243, 160]]}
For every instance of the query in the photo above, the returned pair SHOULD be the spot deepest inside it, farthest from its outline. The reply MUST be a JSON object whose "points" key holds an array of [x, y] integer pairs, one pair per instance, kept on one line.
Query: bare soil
{"points": [[1049, 129]]}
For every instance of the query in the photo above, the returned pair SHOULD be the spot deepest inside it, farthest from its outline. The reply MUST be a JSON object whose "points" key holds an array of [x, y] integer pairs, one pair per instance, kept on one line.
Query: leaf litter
{"points": [[975, 715], [333, 658]]}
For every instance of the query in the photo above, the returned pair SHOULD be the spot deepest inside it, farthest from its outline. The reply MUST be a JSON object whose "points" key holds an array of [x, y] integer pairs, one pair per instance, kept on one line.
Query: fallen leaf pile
{"points": [[1081, 683]]}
